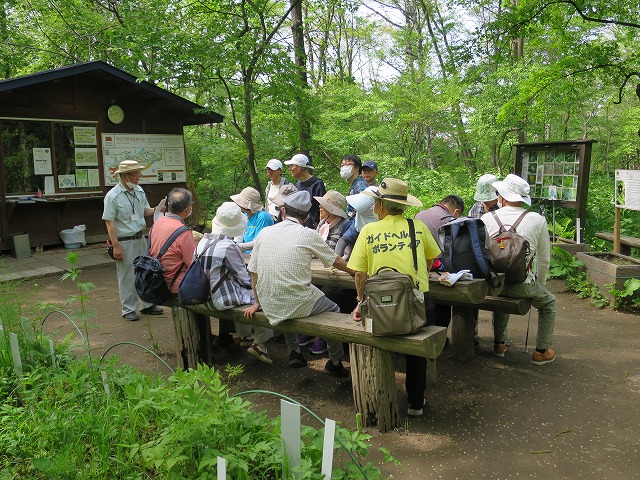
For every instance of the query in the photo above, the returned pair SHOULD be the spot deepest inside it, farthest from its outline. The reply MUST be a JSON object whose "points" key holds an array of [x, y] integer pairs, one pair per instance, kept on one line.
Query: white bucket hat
{"points": [[361, 201], [333, 202], [394, 190], [485, 191], [229, 220], [299, 159], [513, 189], [248, 198]]}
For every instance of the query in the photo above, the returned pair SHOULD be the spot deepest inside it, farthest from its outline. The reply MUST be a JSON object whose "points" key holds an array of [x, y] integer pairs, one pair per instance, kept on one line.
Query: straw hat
{"points": [[485, 191], [248, 198], [299, 159], [229, 220], [394, 190], [333, 202], [127, 166], [513, 189]]}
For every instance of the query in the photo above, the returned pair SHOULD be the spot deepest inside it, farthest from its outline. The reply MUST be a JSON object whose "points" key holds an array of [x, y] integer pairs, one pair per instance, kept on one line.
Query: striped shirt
{"points": [[222, 256]]}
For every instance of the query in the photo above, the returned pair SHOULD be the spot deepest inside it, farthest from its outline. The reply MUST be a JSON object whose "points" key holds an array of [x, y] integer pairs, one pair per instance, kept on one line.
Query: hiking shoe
{"points": [[306, 340], [337, 371], [296, 360], [152, 310], [499, 349], [416, 412], [255, 350], [543, 358], [131, 316], [318, 347], [246, 341], [222, 342]]}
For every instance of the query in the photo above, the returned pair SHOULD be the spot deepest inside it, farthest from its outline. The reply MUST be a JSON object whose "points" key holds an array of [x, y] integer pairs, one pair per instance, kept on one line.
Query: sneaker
{"points": [[318, 347], [337, 371], [255, 350], [543, 358], [222, 342], [296, 360], [152, 310], [306, 340], [246, 341], [499, 349], [131, 316], [415, 412]]}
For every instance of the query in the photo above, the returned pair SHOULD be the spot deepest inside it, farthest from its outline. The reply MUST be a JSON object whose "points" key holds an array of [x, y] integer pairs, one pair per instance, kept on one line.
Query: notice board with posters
{"points": [[557, 173], [162, 156]]}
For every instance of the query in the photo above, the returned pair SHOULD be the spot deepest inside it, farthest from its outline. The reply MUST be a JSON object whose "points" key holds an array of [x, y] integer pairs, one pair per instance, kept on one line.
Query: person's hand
{"points": [[249, 311], [356, 315], [117, 253]]}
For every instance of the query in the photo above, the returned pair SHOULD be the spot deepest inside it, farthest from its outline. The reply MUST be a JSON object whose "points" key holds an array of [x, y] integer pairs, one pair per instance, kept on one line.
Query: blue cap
{"points": [[370, 164]]}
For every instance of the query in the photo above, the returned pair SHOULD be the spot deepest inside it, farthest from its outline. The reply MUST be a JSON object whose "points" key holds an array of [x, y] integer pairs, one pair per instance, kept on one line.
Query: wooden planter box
{"points": [[606, 269]]}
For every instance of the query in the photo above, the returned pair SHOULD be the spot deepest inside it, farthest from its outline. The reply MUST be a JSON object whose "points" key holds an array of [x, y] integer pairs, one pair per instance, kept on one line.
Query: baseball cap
{"points": [[370, 164], [274, 164]]}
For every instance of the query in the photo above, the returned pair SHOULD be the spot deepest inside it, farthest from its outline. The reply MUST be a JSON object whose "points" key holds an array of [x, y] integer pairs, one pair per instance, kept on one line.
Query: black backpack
{"points": [[149, 279], [463, 248], [195, 287]]}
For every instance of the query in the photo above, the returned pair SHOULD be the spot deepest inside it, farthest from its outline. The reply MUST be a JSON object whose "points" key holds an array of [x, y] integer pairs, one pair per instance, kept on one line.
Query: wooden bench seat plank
{"points": [[624, 239], [516, 306]]}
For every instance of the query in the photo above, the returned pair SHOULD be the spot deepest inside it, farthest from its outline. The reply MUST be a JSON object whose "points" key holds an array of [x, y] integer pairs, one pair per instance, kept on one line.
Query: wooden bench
{"points": [[372, 369], [627, 242]]}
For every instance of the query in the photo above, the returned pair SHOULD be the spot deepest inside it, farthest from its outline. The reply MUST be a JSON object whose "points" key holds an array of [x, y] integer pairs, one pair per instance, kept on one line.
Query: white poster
{"points": [[86, 157], [49, 186], [66, 181], [42, 161], [627, 189], [84, 136], [162, 156], [93, 178]]}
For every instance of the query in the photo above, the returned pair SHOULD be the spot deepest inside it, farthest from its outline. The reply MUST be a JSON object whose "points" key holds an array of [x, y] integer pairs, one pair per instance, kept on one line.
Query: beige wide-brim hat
{"points": [[513, 189], [485, 191], [393, 190], [128, 166], [333, 202], [229, 220], [248, 198]]}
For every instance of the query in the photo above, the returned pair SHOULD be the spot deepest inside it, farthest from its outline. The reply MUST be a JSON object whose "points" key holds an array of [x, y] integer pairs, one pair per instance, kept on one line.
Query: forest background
{"points": [[435, 91]]}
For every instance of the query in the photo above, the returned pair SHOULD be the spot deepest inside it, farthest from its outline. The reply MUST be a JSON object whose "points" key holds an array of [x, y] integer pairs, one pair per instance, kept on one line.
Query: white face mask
{"points": [[346, 171], [375, 214], [499, 204], [129, 185]]}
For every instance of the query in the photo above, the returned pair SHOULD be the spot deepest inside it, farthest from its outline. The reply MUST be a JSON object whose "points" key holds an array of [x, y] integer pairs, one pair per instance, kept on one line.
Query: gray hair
{"points": [[393, 207], [178, 200]]}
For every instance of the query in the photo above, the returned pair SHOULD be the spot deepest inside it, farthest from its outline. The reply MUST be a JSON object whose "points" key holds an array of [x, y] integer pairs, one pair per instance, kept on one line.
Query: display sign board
{"points": [[552, 175], [627, 189], [162, 156]]}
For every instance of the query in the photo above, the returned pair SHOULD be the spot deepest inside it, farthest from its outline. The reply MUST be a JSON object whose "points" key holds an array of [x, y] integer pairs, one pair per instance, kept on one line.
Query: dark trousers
{"points": [[416, 380]]}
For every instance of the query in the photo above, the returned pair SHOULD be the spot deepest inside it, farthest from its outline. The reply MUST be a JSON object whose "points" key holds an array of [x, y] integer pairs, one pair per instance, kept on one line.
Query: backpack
{"points": [[149, 273], [508, 251], [463, 248], [194, 288], [392, 304]]}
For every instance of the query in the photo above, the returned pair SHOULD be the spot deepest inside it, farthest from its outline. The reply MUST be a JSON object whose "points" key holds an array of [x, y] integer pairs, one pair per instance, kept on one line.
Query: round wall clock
{"points": [[115, 114]]}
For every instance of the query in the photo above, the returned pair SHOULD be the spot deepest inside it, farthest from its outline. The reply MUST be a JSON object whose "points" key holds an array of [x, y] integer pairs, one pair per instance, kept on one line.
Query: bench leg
{"points": [[193, 338], [462, 333], [374, 386]]}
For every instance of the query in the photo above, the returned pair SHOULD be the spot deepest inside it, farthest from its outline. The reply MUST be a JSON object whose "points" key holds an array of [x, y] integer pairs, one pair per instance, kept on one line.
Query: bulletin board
{"points": [[162, 156]]}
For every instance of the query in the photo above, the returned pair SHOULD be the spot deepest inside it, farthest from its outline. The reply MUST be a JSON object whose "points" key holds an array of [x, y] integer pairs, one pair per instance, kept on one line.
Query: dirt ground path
{"points": [[487, 418]]}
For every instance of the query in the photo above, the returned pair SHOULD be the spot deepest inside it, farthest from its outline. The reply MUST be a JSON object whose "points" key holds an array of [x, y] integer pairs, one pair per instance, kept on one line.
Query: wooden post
{"points": [[193, 338], [374, 386], [462, 333], [616, 231]]}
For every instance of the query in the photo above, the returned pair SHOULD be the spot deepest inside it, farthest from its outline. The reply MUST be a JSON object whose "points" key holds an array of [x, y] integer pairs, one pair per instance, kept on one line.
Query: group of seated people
{"points": [[303, 221]]}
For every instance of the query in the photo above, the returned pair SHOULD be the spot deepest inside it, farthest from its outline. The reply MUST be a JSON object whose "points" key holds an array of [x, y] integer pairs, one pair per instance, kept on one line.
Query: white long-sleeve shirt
{"points": [[534, 228]]}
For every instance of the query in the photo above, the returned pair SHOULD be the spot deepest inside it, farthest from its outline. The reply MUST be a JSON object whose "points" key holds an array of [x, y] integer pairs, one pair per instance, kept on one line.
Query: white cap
{"points": [[299, 159], [274, 164]]}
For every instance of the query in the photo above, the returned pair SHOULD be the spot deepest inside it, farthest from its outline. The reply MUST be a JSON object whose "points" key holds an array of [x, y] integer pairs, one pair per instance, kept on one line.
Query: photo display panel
{"points": [[551, 174]]}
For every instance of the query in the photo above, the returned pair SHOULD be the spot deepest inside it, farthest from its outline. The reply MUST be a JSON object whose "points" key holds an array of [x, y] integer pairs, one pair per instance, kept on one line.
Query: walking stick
{"points": [[526, 337]]}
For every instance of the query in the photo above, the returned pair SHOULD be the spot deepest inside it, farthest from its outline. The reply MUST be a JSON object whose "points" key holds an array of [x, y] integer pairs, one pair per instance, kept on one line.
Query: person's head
{"points": [[332, 205], [274, 169], [299, 165], [369, 171], [513, 190], [392, 197], [179, 202], [229, 220], [350, 167], [129, 172], [248, 200], [297, 205], [454, 204], [485, 192]]}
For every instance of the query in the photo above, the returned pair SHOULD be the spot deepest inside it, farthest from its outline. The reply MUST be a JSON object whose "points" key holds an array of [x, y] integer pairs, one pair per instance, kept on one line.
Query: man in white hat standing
{"points": [[513, 194], [386, 243], [125, 207], [276, 180], [486, 197], [300, 168]]}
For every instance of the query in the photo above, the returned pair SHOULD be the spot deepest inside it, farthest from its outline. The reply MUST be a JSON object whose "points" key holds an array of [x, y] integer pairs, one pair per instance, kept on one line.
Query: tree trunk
{"points": [[300, 59]]}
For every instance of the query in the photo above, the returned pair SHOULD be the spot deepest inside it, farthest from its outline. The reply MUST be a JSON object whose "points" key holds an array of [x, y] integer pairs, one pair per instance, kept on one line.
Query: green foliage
{"points": [[629, 297], [563, 264]]}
